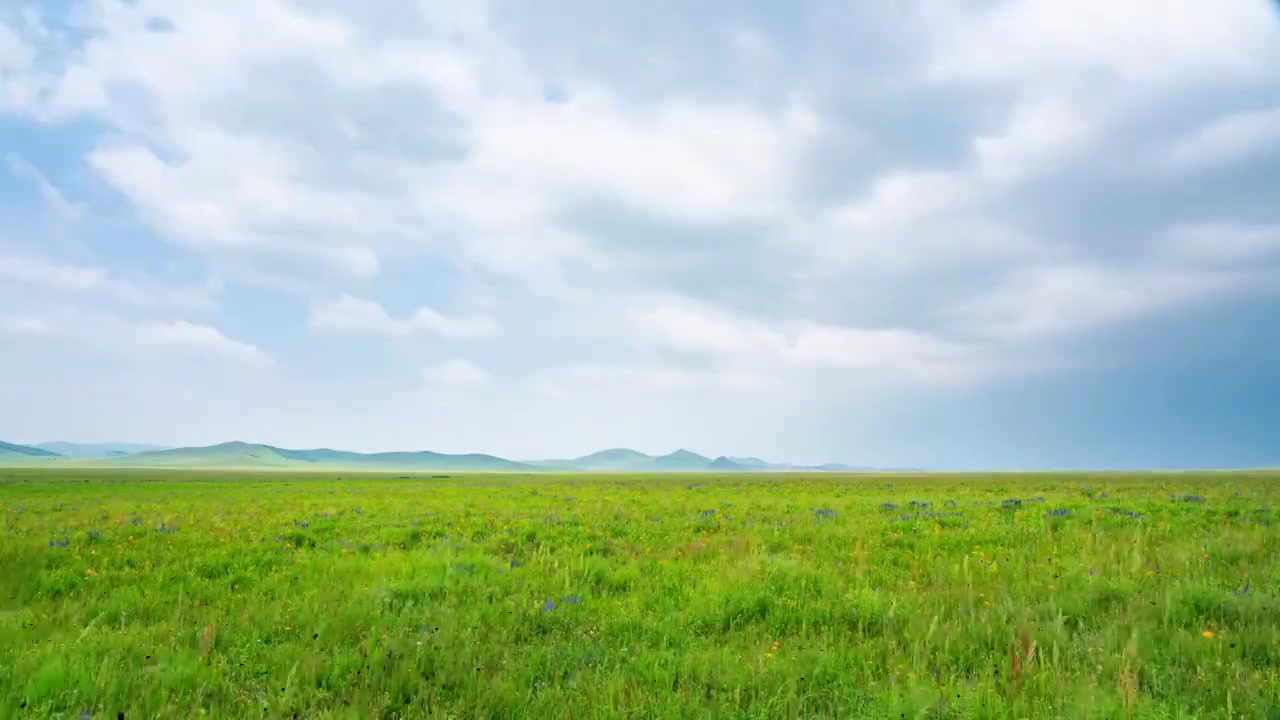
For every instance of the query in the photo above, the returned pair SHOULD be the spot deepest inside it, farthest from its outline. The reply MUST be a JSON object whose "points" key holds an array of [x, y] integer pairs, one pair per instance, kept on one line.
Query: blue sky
{"points": [[976, 234]]}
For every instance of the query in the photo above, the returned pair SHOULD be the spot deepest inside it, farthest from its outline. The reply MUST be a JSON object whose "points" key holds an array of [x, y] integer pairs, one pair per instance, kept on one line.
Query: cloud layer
{"points": [[834, 214]]}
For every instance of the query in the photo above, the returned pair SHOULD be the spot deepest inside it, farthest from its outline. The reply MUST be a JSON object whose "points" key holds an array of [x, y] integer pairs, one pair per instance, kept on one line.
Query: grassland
{"points": [[177, 594]]}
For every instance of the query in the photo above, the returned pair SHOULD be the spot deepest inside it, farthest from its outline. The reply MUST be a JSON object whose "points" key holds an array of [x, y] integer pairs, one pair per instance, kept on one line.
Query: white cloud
{"points": [[683, 159], [42, 273], [349, 314], [58, 204], [211, 165], [202, 340], [739, 340], [231, 193], [1142, 44], [1230, 138], [890, 351], [963, 232], [911, 219], [706, 330], [1054, 299], [576, 378], [140, 340], [1189, 266], [24, 326], [1039, 133], [16, 58], [456, 372], [15, 54], [1223, 244]]}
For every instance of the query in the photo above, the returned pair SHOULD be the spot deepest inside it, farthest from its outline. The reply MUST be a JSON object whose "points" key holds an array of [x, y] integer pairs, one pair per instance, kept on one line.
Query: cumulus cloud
{"points": [[40, 273], [24, 326], [1188, 265], [1071, 43], [235, 181], [736, 339], [349, 314], [64, 209], [201, 340], [1057, 299], [1225, 244], [1236, 136], [456, 372], [785, 215], [570, 380], [96, 333]]}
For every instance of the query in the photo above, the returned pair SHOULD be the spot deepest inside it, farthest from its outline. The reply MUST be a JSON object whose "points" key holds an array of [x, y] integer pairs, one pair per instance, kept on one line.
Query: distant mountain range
{"points": [[97, 450], [10, 452], [256, 455]]}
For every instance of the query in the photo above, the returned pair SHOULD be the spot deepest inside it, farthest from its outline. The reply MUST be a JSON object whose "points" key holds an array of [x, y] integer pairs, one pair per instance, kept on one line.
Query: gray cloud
{"points": [[851, 194]]}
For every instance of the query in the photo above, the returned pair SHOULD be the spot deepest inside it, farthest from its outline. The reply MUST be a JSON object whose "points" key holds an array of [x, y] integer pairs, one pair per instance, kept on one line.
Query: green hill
{"points": [[726, 464], [230, 454], [97, 450], [612, 459], [258, 455], [249, 455], [682, 461], [11, 453]]}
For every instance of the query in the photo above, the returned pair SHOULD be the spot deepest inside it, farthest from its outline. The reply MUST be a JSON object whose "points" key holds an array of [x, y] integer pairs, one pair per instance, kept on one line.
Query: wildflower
{"points": [[768, 655], [547, 605], [90, 572], [1208, 634]]}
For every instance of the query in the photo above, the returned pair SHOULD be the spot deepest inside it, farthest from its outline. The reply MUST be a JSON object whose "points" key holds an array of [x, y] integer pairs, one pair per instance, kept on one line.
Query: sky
{"points": [[980, 234]]}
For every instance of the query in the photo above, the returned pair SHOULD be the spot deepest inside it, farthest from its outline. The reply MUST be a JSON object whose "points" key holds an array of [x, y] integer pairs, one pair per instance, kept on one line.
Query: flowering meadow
{"points": [[178, 594]]}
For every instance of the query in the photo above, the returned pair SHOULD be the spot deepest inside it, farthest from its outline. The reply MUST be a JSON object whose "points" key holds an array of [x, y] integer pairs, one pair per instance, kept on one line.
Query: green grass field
{"points": [[224, 594]]}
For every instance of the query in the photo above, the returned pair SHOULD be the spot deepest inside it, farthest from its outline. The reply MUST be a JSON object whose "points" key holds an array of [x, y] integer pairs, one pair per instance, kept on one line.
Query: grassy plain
{"points": [[226, 594]]}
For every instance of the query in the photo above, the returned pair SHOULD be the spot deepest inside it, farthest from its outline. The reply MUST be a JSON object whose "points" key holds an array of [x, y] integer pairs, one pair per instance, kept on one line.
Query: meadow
{"points": [[224, 594]]}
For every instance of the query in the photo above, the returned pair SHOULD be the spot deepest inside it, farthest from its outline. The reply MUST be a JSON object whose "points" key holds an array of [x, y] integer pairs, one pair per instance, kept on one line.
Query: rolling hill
{"points": [[97, 450], [258, 455], [681, 461], [612, 459], [251, 455], [9, 452]]}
